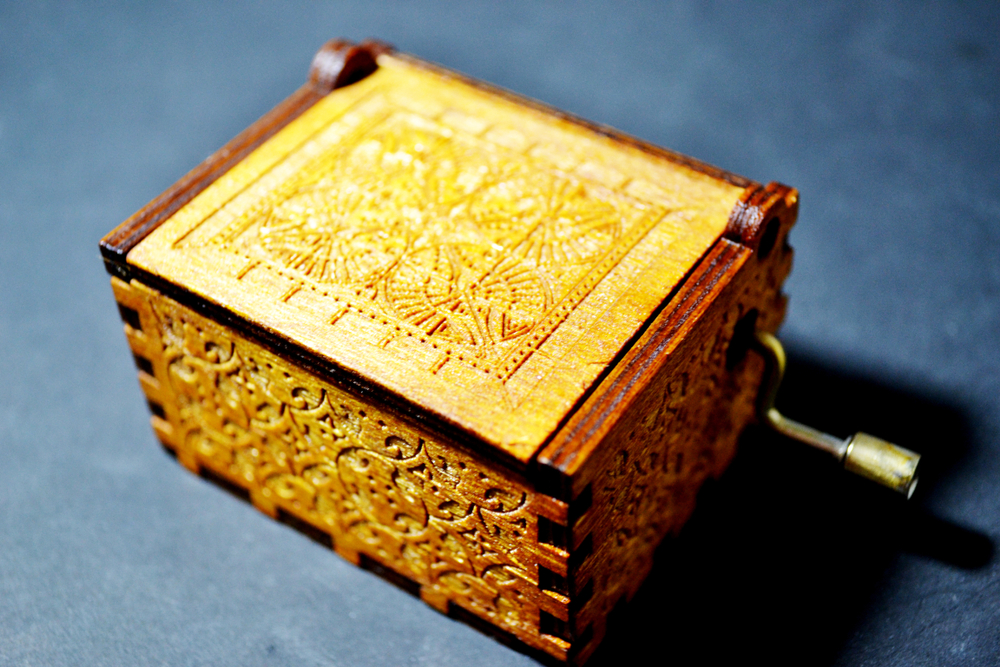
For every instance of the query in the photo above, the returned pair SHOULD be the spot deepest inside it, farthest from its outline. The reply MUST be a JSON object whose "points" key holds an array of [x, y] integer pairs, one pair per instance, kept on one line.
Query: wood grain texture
{"points": [[484, 260]]}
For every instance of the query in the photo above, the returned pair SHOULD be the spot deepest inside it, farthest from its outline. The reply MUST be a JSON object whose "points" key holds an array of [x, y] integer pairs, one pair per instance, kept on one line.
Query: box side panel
{"points": [[666, 420], [380, 490], [645, 480]]}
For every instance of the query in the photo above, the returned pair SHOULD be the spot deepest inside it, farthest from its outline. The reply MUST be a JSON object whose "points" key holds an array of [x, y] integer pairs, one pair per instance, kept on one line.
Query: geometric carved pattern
{"points": [[461, 241], [483, 259], [459, 526]]}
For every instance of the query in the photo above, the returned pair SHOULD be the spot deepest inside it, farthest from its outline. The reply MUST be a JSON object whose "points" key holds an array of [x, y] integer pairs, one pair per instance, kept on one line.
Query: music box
{"points": [[480, 346]]}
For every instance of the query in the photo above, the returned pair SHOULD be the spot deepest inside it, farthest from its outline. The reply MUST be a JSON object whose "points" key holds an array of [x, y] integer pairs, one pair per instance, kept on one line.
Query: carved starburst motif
{"points": [[468, 294], [448, 234]]}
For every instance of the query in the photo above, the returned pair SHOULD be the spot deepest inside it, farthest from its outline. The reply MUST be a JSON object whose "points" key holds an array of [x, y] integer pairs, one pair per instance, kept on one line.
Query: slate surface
{"points": [[886, 120]]}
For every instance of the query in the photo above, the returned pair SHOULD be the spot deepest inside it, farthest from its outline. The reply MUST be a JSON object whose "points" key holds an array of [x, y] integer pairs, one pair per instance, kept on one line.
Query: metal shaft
{"points": [[880, 461]]}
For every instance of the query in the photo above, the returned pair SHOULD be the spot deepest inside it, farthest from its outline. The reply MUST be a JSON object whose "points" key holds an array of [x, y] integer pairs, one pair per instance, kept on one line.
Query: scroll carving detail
{"points": [[455, 524]]}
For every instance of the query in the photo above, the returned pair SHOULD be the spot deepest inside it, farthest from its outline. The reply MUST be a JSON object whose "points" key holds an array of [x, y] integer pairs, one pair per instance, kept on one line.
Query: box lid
{"points": [[480, 257]]}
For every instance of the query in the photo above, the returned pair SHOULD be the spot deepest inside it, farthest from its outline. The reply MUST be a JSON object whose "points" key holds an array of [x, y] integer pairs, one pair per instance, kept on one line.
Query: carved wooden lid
{"points": [[482, 258]]}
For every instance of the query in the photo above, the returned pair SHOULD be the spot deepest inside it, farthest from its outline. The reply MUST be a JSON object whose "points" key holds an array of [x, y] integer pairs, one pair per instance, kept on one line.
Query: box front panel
{"points": [[380, 490]]}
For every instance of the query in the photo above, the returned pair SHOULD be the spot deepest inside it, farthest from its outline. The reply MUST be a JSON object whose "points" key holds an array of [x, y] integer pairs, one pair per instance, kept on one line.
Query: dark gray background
{"points": [[885, 118]]}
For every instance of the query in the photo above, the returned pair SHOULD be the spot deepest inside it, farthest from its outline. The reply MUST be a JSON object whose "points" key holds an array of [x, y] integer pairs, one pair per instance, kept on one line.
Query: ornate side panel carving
{"points": [[681, 429], [461, 527]]}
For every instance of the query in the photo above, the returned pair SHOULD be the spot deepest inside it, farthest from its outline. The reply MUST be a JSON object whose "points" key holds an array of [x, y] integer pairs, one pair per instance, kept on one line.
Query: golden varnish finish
{"points": [[481, 258], [481, 348], [461, 528]]}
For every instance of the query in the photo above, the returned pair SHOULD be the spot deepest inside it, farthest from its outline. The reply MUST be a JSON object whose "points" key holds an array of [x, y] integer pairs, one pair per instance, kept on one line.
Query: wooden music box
{"points": [[480, 346]]}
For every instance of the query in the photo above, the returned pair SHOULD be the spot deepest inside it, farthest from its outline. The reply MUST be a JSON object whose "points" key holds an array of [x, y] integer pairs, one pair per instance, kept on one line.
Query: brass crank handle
{"points": [[880, 461]]}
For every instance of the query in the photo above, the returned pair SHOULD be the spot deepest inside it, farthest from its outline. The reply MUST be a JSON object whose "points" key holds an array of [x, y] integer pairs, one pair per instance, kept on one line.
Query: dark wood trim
{"points": [[340, 63], [644, 359], [551, 480], [758, 205]]}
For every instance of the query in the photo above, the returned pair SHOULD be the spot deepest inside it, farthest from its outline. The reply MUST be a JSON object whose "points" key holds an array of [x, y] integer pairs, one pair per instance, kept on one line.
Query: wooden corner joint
{"points": [[760, 216], [340, 62]]}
